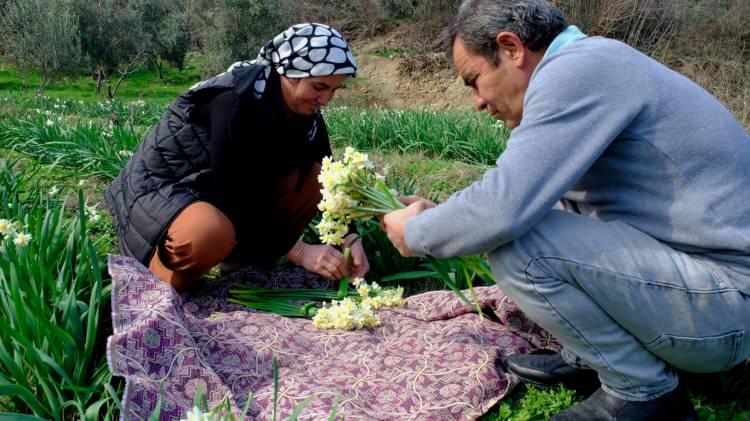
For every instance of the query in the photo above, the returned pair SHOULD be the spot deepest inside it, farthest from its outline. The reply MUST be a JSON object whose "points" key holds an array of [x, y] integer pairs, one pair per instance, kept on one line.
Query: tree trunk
{"points": [[98, 82], [158, 65], [42, 83], [117, 86]]}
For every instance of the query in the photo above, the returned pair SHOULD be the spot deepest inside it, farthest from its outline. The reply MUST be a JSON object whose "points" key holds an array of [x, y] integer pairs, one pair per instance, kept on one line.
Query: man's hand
{"points": [[322, 259], [408, 200], [358, 265], [393, 223]]}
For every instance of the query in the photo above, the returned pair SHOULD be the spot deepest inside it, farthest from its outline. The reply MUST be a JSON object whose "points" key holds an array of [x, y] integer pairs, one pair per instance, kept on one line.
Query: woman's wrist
{"points": [[350, 239], [295, 254]]}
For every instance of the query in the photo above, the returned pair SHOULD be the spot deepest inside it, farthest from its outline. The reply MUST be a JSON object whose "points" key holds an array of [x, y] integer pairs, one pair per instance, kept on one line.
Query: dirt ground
{"points": [[403, 80]]}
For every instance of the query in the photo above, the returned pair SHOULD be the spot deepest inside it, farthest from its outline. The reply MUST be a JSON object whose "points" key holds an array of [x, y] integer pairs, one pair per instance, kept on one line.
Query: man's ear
{"points": [[510, 47]]}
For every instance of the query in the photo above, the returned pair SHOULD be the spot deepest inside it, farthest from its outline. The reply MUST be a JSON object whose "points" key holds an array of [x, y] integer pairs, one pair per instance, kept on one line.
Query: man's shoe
{"points": [[545, 370], [674, 406]]}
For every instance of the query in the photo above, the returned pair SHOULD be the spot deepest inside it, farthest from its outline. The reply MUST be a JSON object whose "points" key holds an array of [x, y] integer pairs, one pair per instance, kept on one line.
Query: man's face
{"points": [[304, 96], [499, 89]]}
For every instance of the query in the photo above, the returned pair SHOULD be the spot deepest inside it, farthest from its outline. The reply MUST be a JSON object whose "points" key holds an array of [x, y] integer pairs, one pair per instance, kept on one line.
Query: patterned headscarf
{"points": [[304, 50], [308, 50]]}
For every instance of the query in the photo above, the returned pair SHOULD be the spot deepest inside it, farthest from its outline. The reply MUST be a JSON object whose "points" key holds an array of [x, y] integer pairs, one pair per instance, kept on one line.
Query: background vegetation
{"points": [[81, 81], [109, 40]]}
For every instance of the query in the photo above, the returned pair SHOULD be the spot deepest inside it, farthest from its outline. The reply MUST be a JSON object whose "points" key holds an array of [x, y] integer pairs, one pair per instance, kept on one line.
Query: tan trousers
{"points": [[201, 236]]}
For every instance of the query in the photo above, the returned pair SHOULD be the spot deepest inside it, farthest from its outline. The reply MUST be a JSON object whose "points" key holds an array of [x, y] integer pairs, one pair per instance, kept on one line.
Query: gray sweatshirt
{"points": [[617, 136]]}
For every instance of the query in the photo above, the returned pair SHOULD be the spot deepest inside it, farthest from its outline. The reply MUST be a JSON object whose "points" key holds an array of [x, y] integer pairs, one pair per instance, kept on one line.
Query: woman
{"points": [[230, 170]]}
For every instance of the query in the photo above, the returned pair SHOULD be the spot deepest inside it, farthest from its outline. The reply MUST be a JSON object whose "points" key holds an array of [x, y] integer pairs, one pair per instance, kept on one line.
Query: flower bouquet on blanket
{"points": [[352, 189]]}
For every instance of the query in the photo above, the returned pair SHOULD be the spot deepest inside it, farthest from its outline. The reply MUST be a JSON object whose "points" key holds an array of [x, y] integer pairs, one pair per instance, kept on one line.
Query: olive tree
{"points": [[112, 41], [41, 35], [232, 30], [164, 22]]}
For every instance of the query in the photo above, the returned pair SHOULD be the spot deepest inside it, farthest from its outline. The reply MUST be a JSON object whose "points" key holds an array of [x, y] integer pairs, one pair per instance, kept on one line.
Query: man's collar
{"points": [[567, 36]]}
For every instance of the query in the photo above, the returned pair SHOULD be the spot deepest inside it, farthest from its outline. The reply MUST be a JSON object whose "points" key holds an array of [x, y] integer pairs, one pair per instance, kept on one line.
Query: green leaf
{"points": [[417, 274], [246, 409], [112, 393], [297, 410], [335, 407], [446, 277], [8, 416], [93, 410], [26, 396], [275, 385]]}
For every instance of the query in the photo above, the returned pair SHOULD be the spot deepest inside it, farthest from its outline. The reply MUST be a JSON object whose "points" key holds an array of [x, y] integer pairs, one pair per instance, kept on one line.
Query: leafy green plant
{"points": [[387, 52], [472, 138], [95, 149], [51, 299], [533, 404]]}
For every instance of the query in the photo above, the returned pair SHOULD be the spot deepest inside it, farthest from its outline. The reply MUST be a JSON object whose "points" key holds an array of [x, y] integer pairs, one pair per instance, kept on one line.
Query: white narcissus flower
{"points": [[54, 190], [93, 214], [22, 240], [7, 227], [346, 314], [350, 314], [342, 196], [196, 414]]}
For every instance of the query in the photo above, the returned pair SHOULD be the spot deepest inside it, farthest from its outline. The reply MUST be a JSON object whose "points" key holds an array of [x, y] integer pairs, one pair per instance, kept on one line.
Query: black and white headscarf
{"points": [[304, 50]]}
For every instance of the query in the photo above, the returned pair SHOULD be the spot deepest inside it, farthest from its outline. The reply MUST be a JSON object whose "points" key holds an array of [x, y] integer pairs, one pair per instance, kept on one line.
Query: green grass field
{"points": [[59, 153]]}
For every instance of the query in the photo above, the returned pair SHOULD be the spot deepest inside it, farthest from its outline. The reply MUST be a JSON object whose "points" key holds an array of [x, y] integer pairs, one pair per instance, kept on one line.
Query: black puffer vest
{"points": [[165, 172]]}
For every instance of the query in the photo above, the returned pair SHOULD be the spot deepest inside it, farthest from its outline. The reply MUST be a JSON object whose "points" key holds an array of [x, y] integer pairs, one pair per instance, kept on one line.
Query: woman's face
{"points": [[304, 96]]}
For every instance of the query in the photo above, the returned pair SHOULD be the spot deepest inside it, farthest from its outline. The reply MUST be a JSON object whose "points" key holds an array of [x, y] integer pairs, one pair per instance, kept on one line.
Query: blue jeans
{"points": [[625, 304]]}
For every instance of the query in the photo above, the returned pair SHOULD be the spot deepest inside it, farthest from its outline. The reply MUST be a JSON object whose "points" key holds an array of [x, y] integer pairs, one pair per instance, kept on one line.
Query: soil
{"points": [[391, 78]]}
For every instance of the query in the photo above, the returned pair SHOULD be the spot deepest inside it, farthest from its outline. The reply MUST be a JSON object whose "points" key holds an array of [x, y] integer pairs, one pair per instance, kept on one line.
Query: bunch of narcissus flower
{"points": [[351, 189], [9, 230], [346, 310], [358, 312]]}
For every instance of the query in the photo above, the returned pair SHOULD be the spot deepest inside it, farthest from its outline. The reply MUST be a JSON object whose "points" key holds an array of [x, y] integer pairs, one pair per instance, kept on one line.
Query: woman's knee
{"points": [[207, 229]]}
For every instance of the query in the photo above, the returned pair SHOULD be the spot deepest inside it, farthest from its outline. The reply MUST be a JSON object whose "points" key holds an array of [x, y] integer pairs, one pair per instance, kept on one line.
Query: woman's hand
{"points": [[318, 258], [358, 264]]}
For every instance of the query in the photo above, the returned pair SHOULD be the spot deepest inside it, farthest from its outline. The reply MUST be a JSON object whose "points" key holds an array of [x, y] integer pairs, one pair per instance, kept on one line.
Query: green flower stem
{"points": [[377, 199]]}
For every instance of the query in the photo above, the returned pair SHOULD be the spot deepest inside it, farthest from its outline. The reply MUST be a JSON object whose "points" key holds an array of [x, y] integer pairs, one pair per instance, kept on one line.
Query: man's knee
{"points": [[528, 255]]}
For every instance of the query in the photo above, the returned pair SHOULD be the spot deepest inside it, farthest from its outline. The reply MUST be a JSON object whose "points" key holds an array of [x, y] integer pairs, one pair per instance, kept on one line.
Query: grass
{"points": [[389, 52], [429, 153], [142, 84]]}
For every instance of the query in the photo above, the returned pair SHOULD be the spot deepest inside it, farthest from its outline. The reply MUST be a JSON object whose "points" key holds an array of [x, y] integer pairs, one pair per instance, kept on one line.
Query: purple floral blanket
{"points": [[431, 359]]}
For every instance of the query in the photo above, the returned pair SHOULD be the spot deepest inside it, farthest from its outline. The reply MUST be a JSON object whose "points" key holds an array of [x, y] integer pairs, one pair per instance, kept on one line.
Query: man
{"points": [[618, 217]]}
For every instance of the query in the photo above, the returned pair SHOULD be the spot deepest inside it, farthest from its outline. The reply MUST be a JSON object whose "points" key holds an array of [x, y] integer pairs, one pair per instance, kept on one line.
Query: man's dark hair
{"points": [[477, 23]]}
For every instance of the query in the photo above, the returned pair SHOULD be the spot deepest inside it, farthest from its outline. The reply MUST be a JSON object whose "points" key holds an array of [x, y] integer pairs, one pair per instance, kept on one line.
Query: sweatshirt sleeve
{"points": [[573, 110]]}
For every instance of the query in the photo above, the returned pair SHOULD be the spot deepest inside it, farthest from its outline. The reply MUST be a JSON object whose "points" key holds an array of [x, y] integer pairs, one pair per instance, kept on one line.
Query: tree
{"points": [[165, 24], [41, 35], [233, 30], [112, 41]]}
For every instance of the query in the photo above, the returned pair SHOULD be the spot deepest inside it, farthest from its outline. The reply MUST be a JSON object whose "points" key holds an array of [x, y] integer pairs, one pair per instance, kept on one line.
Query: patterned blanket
{"points": [[431, 359]]}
